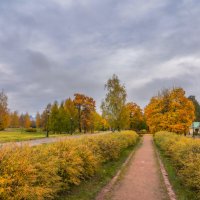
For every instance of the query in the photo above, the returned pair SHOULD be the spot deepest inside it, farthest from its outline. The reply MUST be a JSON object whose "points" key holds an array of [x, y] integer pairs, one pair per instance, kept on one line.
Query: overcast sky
{"points": [[51, 49]]}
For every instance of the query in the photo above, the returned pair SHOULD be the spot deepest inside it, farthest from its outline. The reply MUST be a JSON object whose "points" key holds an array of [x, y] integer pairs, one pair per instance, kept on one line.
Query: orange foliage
{"points": [[171, 111], [136, 117], [85, 106]]}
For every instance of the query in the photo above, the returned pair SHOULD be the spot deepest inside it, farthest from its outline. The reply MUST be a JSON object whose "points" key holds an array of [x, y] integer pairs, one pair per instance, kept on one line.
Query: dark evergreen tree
{"points": [[197, 107]]}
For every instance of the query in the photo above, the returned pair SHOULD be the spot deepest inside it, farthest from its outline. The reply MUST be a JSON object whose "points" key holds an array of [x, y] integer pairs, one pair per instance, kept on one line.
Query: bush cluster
{"points": [[31, 130], [43, 171], [184, 154]]}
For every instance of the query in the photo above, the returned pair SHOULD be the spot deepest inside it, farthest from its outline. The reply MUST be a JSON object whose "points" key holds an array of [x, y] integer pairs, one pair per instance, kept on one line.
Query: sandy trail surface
{"points": [[142, 179]]}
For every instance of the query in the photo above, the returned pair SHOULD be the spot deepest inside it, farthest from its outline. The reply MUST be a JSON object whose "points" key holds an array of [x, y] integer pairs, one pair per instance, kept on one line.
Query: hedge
{"points": [[184, 154], [42, 172]]}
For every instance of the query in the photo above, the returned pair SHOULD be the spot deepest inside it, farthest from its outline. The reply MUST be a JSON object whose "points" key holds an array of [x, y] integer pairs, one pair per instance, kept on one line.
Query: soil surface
{"points": [[142, 179]]}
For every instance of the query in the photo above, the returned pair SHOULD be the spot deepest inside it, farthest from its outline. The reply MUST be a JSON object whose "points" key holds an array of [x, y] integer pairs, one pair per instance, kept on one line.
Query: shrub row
{"points": [[31, 130], [43, 171], [184, 154]]}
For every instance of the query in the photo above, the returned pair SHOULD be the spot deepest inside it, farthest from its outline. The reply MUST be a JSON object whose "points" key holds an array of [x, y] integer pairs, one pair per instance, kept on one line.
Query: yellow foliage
{"points": [[185, 156], [41, 172]]}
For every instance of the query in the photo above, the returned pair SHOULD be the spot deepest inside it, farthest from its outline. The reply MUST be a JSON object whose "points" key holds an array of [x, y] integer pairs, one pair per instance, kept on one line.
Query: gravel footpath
{"points": [[142, 180]]}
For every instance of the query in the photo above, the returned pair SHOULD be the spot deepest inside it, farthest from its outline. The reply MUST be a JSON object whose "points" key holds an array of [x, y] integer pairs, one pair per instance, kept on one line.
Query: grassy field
{"points": [[14, 135]]}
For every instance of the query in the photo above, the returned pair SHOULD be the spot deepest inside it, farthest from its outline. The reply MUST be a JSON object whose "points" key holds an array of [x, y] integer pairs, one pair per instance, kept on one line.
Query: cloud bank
{"points": [[50, 49]]}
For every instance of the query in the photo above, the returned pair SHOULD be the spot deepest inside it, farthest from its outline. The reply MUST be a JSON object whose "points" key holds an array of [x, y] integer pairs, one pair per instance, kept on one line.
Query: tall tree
{"points": [[113, 107], [99, 123], [136, 117], [197, 107], [38, 120], [79, 101], [14, 120], [54, 118], [45, 121], [21, 120], [27, 121], [71, 115], [170, 110], [62, 119], [4, 114], [85, 106]]}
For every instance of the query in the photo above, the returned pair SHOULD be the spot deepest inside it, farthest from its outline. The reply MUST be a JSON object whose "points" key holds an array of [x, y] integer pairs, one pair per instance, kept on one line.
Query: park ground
{"points": [[142, 179], [18, 135]]}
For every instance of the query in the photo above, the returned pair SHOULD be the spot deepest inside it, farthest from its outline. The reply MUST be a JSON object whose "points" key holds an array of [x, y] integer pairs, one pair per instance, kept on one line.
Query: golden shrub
{"points": [[185, 156], [41, 172], [26, 173]]}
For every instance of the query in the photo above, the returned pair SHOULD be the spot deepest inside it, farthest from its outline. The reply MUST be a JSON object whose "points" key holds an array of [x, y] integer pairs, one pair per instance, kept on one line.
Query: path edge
{"points": [[170, 190], [103, 194]]}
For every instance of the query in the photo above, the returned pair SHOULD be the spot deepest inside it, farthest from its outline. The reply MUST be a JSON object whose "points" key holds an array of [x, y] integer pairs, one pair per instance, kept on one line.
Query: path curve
{"points": [[37, 142], [142, 180]]}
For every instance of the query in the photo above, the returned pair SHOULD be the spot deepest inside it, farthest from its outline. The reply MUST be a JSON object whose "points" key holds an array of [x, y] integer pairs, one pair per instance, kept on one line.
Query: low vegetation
{"points": [[184, 155], [44, 171], [16, 135], [90, 188]]}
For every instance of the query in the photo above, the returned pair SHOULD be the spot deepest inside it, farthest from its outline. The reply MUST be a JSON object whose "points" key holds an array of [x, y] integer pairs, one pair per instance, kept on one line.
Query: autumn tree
{"points": [[113, 107], [170, 110], [99, 123], [45, 121], [62, 119], [79, 101], [71, 115], [85, 106], [4, 114], [54, 118], [38, 120], [14, 120], [21, 120], [197, 107], [27, 121], [136, 117]]}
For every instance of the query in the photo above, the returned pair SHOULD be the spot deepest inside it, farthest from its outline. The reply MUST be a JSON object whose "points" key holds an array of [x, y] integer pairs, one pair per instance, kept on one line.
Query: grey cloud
{"points": [[144, 93], [54, 48]]}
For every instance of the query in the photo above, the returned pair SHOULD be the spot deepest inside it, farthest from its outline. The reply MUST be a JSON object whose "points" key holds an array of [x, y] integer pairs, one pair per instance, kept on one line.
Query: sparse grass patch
{"points": [[17, 135], [7, 136]]}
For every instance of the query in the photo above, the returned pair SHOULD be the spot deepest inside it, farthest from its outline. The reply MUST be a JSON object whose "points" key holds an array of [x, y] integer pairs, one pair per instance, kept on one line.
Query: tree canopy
{"points": [[113, 106], [136, 120], [170, 110], [4, 113], [197, 107]]}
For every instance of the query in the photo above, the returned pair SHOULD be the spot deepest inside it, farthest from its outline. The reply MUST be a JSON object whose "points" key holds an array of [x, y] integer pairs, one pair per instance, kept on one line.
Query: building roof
{"points": [[195, 125]]}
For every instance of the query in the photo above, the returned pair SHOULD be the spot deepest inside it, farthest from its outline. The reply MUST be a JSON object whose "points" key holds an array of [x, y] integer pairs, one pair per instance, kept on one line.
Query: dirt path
{"points": [[37, 142], [142, 180]]}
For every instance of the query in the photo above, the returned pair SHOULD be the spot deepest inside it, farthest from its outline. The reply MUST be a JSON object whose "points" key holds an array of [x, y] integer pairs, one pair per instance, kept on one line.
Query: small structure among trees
{"points": [[194, 128]]}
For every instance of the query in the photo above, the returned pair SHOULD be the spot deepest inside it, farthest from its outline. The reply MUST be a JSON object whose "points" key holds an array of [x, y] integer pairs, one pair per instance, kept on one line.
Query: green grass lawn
{"points": [[14, 135]]}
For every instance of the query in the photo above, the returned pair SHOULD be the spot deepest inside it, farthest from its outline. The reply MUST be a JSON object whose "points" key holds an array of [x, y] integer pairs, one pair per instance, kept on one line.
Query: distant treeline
{"points": [[169, 110], [79, 113]]}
